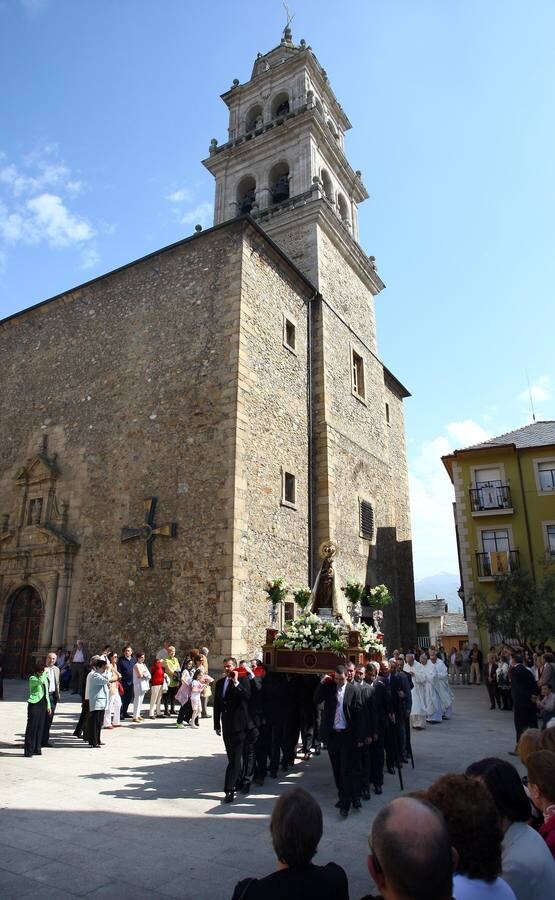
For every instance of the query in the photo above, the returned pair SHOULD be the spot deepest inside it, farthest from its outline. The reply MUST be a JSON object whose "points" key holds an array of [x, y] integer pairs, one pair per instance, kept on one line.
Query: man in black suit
{"points": [[342, 732], [383, 711], [231, 715], [523, 686], [369, 729]]}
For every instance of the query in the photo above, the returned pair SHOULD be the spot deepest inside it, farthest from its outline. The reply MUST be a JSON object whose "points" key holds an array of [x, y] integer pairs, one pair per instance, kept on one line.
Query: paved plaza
{"points": [[142, 814]]}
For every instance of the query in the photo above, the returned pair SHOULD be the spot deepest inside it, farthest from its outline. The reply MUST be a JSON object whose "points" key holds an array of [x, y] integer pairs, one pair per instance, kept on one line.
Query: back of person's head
{"points": [[541, 773], [547, 740], [296, 827], [517, 658], [504, 784], [529, 741], [410, 851], [37, 668], [472, 822]]}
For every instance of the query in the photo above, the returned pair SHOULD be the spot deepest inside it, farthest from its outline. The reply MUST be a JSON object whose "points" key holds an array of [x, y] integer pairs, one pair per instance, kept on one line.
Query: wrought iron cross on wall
{"points": [[148, 531]]}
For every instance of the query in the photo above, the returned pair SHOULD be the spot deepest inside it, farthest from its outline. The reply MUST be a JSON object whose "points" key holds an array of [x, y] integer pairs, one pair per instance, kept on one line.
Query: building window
{"points": [[387, 419], [280, 105], [288, 489], [550, 541], [289, 334], [254, 118], [366, 516], [546, 475], [357, 365], [34, 511]]}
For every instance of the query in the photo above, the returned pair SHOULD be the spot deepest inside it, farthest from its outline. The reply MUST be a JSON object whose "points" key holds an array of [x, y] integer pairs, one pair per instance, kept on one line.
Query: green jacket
{"points": [[38, 688]]}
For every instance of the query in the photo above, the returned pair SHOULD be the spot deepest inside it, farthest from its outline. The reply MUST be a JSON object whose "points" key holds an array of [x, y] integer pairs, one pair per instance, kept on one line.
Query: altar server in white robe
{"points": [[421, 693], [434, 710], [445, 695]]}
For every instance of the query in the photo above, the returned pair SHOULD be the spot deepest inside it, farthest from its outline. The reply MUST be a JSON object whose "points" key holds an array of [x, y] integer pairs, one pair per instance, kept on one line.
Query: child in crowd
{"points": [[198, 684]]}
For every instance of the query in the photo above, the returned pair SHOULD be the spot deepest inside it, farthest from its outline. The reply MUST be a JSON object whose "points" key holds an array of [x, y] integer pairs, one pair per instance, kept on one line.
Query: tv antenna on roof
{"points": [[531, 398]]}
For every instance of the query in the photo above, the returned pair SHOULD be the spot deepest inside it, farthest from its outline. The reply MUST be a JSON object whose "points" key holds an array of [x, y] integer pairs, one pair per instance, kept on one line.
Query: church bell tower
{"points": [[284, 161], [284, 164]]}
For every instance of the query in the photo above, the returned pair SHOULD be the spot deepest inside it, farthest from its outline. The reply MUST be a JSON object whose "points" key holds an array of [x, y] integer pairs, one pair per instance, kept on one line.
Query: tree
{"points": [[522, 612]]}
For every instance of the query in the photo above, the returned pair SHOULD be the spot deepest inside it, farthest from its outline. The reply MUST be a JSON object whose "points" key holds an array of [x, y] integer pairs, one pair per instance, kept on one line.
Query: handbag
{"points": [[120, 688]]}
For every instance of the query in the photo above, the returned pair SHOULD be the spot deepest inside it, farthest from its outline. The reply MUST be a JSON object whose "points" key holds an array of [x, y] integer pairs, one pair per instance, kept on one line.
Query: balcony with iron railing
{"points": [[496, 564], [492, 499]]}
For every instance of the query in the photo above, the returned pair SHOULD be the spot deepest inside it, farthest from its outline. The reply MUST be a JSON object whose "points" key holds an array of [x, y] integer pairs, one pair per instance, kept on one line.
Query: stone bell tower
{"points": [[284, 163]]}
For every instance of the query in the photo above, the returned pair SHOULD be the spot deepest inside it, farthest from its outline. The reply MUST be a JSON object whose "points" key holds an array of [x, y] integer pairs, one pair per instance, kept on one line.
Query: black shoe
{"points": [[229, 797], [338, 804], [357, 804], [391, 770], [273, 774], [317, 751], [378, 789], [28, 755], [47, 745], [37, 753], [343, 812], [365, 793], [492, 707], [259, 780], [245, 788]]}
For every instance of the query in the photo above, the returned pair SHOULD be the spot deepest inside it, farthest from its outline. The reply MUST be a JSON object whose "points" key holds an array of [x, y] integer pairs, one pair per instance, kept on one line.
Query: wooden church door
{"points": [[23, 632]]}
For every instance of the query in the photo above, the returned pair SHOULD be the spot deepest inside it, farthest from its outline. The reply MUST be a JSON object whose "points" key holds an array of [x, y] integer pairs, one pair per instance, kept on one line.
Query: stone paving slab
{"points": [[144, 812]]}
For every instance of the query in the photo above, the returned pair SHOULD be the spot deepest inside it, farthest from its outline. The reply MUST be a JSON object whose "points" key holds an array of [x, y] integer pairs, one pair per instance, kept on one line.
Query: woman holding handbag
{"points": [[115, 691], [141, 684]]}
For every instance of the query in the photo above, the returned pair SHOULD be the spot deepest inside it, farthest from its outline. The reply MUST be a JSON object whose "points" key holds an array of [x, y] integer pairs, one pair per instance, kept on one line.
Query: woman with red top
{"points": [[156, 685], [541, 784]]}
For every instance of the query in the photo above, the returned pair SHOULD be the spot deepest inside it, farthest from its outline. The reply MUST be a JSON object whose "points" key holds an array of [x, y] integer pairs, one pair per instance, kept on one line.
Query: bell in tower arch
{"points": [[279, 183]]}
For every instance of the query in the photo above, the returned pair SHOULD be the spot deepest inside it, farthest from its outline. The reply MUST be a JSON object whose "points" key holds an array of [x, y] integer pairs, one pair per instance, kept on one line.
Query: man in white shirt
{"points": [[78, 673], [342, 730], [162, 653], [53, 673]]}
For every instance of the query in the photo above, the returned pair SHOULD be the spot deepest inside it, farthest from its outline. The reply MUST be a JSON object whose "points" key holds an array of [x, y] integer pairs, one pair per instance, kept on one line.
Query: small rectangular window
{"points": [[546, 473], [34, 511], [550, 535], [387, 413], [366, 513], [289, 334], [358, 374], [289, 491]]}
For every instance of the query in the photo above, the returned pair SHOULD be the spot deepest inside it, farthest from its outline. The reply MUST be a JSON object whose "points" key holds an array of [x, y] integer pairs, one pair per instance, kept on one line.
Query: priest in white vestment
{"points": [[445, 695], [434, 712], [421, 693]]}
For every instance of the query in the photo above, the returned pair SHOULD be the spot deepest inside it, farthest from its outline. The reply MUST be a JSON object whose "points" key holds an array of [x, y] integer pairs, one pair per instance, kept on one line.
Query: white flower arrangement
{"points": [[310, 632], [370, 640]]}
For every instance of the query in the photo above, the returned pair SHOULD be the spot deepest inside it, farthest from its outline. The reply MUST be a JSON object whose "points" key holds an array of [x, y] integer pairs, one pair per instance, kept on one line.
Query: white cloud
{"points": [[35, 204], [432, 496], [184, 195], [466, 433], [200, 215], [540, 391], [90, 257]]}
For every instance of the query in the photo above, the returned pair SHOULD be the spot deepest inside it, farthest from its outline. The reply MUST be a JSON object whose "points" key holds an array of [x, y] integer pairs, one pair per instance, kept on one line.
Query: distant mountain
{"points": [[444, 584]]}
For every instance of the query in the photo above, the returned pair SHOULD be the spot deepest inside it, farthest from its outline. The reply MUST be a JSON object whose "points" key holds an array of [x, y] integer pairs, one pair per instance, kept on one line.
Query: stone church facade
{"points": [[206, 417]]}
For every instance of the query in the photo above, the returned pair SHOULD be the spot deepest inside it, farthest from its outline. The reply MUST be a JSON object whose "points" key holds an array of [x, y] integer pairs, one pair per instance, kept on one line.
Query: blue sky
{"points": [[107, 109]]}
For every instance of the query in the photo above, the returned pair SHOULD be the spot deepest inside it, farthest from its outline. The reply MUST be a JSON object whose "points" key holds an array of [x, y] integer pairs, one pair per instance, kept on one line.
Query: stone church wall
{"points": [[274, 437], [132, 377]]}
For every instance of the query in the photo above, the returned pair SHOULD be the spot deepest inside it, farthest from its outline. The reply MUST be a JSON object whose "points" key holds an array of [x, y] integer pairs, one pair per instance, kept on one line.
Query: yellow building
{"points": [[504, 510]]}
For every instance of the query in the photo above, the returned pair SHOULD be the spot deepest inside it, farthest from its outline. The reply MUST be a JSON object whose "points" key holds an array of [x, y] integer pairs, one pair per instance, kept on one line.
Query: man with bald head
{"points": [[410, 853]]}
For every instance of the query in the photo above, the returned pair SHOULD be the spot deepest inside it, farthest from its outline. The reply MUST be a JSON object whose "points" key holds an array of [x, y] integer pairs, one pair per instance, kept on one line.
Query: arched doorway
{"points": [[24, 612]]}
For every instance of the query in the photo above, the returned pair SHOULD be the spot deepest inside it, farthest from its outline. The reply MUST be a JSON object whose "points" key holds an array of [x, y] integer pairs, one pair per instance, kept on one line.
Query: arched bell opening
{"points": [[279, 182], [254, 118], [246, 194], [280, 105]]}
